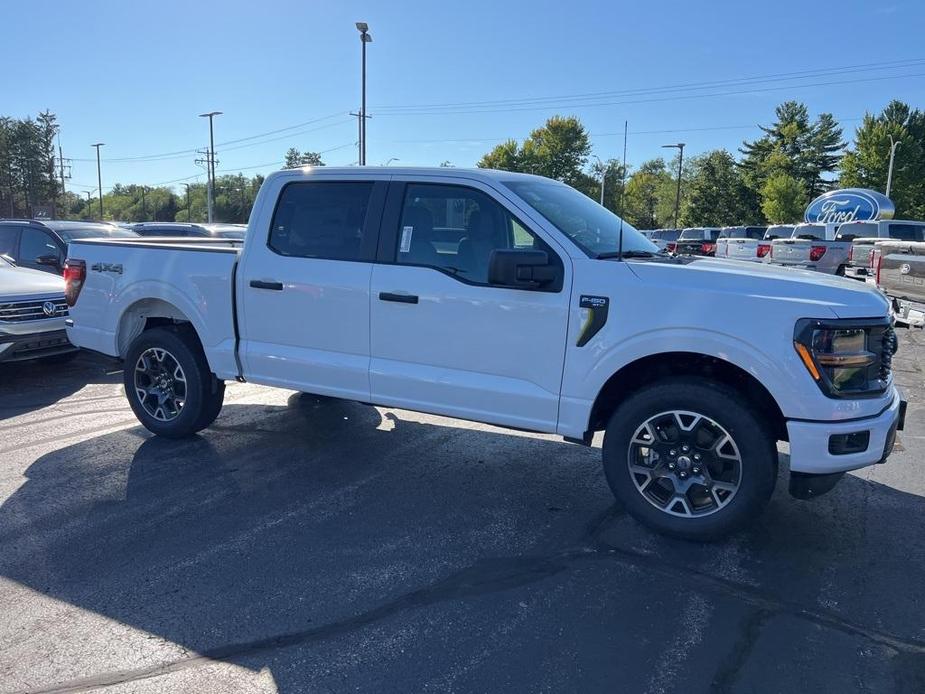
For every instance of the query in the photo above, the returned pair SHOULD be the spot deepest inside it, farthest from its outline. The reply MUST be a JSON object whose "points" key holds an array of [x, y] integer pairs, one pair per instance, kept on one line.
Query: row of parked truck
{"points": [[888, 253]]}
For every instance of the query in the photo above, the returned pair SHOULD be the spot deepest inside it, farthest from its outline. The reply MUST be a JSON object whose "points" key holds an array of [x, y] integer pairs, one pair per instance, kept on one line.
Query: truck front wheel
{"points": [[168, 383], [690, 458]]}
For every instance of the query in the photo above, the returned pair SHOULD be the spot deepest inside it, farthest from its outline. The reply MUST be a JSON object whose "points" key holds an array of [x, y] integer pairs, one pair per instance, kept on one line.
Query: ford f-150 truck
{"points": [[899, 271], [864, 236], [812, 247], [513, 300]]}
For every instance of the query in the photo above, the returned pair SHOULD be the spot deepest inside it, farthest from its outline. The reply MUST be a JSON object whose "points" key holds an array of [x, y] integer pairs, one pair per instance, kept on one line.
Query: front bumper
{"points": [[34, 345], [809, 441]]}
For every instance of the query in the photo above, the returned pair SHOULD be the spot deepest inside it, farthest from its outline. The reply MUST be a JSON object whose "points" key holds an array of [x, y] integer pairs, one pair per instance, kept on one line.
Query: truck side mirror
{"points": [[50, 259], [520, 268]]}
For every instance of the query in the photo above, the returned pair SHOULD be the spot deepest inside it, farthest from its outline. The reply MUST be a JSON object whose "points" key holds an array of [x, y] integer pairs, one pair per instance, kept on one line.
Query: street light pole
{"points": [[677, 198], [603, 176], [210, 165], [99, 175], [365, 38], [889, 173], [189, 214], [89, 200]]}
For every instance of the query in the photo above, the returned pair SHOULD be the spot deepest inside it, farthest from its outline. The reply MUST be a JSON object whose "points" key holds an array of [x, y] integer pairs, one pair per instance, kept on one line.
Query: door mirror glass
{"points": [[520, 268], [49, 259]]}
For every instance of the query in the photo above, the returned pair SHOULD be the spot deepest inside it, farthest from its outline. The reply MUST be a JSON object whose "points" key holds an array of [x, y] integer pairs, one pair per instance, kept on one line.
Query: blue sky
{"points": [[136, 74]]}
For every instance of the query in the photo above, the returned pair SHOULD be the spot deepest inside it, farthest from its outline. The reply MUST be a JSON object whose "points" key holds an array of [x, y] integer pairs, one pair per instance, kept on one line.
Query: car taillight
{"points": [[672, 247], [816, 252], [851, 253], [879, 261], [707, 248], [75, 272], [763, 249]]}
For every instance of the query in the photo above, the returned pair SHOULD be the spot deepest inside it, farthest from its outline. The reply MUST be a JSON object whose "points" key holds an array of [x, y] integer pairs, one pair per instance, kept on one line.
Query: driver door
{"points": [[443, 339]]}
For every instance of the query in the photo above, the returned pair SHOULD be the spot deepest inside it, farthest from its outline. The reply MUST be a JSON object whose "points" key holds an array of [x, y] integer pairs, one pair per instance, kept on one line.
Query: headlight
{"points": [[847, 359]]}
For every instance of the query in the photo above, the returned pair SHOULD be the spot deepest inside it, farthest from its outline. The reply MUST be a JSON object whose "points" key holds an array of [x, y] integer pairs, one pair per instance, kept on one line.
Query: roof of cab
{"points": [[446, 171]]}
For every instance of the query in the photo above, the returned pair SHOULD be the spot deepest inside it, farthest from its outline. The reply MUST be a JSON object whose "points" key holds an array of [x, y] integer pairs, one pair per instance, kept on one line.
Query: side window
{"points": [[35, 243], [322, 220], [455, 229], [9, 235]]}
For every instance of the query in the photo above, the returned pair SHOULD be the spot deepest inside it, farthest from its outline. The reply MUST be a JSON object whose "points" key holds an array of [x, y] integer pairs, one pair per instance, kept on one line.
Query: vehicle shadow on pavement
{"points": [[344, 549], [47, 382]]}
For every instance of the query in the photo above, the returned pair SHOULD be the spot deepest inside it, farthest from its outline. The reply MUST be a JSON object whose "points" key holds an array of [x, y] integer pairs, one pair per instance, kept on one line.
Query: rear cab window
{"points": [[907, 232], [323, 220]]}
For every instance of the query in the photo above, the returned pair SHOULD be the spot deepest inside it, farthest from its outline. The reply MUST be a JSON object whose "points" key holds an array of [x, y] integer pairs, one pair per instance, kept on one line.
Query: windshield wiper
{"points": [[625, 254]]}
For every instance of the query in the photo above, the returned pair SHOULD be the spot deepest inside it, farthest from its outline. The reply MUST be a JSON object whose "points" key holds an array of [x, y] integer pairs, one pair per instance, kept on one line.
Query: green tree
{"points": [[294, 159], [804, 150], [717, 194], [866, 165], [644, 189], [557, 150], [783, 198]]}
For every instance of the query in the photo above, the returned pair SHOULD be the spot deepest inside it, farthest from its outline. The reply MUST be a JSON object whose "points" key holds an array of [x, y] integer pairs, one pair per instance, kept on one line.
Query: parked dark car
{"points": [[43, 245], [175, 229], [697, 241]]}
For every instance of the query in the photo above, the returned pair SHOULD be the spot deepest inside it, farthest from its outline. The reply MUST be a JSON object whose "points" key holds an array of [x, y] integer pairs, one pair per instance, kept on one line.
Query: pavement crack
{"points": [[728, 671]]}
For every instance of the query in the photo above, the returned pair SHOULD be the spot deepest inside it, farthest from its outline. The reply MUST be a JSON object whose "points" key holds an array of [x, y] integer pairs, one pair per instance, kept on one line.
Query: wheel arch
{"points": [[657, 367], [145, 314]]}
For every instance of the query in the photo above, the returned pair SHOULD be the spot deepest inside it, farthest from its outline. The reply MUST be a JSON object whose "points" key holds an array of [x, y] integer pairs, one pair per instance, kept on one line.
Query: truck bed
{"points": [[127, 277], [902, 276]]}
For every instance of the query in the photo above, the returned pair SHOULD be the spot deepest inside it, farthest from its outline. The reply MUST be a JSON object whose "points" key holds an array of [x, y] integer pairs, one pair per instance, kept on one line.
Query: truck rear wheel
{"points": [[690, 458], [168, 383]]}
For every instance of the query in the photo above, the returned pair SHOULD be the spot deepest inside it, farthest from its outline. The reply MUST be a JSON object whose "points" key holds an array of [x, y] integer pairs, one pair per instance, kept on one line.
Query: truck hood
{"points": [[23, 283], [846, 298]]}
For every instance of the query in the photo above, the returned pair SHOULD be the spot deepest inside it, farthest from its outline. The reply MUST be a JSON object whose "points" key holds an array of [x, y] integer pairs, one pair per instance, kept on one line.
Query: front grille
{"points": [[21, 311]]}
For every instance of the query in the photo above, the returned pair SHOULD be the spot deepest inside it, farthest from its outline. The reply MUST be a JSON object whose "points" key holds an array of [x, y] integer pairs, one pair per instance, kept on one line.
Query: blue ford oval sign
{"points": [[849, 205]]}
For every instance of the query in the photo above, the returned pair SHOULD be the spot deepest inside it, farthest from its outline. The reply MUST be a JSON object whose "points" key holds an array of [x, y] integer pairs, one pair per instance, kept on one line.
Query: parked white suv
{"points": [[32, 312], [514, 300]]}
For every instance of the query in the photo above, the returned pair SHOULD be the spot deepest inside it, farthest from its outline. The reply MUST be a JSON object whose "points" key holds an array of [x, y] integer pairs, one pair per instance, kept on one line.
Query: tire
{"points": [[724, 484], [181, 394]]}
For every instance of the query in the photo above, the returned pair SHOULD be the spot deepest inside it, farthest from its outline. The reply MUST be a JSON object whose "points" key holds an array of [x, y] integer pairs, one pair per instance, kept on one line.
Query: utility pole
{"points": [[144, 207], [189, 214], [89, 200], [677, 198], [9, 166], [365, 38], [211, 160], [889, 173], [99, 175], [603, 176], [61, 167]]}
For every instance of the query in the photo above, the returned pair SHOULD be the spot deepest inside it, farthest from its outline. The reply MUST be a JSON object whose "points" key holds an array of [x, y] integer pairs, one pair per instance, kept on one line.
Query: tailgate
{"points": [[743, 249], [792, 250]]}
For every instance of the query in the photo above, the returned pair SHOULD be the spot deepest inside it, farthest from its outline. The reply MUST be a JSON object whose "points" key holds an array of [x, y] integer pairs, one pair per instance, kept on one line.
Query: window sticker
{"points": [[405, 246]]}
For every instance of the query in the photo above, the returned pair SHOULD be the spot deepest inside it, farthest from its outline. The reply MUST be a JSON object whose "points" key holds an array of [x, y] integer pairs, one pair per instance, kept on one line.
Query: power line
{"points": [[180, 154], [654, 100], [775, 77]]}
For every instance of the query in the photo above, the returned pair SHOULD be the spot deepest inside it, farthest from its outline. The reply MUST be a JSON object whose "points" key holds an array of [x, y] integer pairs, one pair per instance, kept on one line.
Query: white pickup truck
{"points": [[513, 300]]}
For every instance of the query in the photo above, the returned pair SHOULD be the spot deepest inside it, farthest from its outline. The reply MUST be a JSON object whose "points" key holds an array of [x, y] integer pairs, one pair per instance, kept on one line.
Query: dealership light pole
{"points": [[677, 197], [99, 175], [189, 214], [365, 38], [210, 165], [603, 176], [889, 172]]}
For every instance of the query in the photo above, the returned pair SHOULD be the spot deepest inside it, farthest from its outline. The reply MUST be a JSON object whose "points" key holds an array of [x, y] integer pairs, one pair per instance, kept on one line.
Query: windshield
{"points": [[666, 234], [95, 233], [691, 235], [780, 232], [593, 228], [809, 231]]}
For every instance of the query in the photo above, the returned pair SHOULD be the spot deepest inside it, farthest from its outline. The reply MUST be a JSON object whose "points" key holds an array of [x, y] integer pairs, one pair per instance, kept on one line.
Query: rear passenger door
{"points": [[303, 287], [444, 339]]}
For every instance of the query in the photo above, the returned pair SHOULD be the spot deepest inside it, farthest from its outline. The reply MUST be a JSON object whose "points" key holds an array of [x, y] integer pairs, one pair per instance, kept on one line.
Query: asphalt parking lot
{"points": [[310, 545]]}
